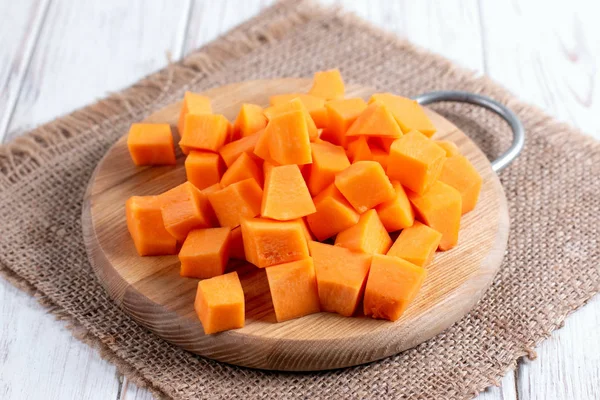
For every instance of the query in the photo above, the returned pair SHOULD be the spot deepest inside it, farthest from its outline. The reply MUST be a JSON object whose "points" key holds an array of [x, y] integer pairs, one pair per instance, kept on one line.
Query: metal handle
{"points": [[472, 98]]}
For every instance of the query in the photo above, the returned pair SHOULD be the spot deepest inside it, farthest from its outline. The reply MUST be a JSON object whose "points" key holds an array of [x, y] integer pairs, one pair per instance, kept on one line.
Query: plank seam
{"points": [[482, 36], [31, 46], [182, 33]]}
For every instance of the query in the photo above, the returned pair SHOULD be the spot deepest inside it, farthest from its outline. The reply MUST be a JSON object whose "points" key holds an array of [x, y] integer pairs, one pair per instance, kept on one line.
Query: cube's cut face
{"points": [[205, 253], [204, 132], [367, 236], [220, 303], [237, 201], [146, 226], [333, 215], [203, 169], [151, 144], [365, 185]]}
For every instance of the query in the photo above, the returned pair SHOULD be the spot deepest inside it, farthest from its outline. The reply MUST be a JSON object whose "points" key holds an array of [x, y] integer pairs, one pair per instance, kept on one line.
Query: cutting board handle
{"points": [[483, 101]]}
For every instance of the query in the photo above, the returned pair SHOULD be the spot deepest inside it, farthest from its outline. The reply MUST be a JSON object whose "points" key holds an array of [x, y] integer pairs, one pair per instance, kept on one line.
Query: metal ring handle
{"points": [[472, 98]]}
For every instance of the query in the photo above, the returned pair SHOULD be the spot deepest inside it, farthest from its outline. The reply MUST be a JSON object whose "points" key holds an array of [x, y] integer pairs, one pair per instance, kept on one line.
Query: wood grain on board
{"points": [[151, 290]]}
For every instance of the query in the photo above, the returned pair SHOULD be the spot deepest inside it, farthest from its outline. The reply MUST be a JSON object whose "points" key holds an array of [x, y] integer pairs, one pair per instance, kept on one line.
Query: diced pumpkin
{"points": [[205, 253], [146, 227], [288, 139], [365, 185], [268, 242], [334, 214], [286, 195], [392, 284], [340, 115], [203, 169], [250, 120], [440, 208], [243, 168], [459, 173], [294, 104], [314, 105], [151, 144], [380, 156], [231, 151], [397, 213], [307, 233], [449, 147], [220, 303], [261, 148], [359, 150], [341, 277], [293, 289], [367, 236], [204, 132], [416, 244], [383, 142], [236, 201], [328, 160], [415, 161], [407, 112], [328, 85], [182, 210], [236, 248], [193, 103], [375, 120]]}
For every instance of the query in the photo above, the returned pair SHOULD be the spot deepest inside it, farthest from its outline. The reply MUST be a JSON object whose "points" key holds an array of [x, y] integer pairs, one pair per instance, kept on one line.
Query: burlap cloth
{"points": [[551, 267]]}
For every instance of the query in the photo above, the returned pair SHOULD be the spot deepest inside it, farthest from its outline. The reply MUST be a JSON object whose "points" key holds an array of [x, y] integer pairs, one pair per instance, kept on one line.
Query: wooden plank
{"points": [[19, 31], [553, 63], [40, 359], [87, 49]]}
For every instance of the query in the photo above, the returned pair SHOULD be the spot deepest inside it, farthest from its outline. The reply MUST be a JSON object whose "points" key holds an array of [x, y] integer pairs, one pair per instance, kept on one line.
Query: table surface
{"points": [[547, 52]]}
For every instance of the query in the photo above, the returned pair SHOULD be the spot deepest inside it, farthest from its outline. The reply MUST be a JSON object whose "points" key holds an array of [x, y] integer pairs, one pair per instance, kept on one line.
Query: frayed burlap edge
{"points": [[25, 154]]}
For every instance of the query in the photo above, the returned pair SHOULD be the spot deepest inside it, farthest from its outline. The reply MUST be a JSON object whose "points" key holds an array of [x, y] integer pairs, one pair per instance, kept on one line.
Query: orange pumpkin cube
{"points": [[416, 244], [367, 236], [236, 201], [146, 227], [151, 144], [250, 120], [220, 303], [314, 105], [449, 147], [289, 142], [397, 213], [341, 277], [364, 184], [375, 120], [261, 148], [286, 196], [236, 248], [359, 150], [307, 233], [268, 242], [340, 115], [392, 284], [243, 168], [183, 209], [408, 113], [459, 173], [293, 289], [379, 155], [333, 215], [440, 208], [204, 132], [383, 142], [231, 151], [193, 103], [415, 161], [294, 104], [203, 169], [328, 160], [328, 85], [205, 253]]}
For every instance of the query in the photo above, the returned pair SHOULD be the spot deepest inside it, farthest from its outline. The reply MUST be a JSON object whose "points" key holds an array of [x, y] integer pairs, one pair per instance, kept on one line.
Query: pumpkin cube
{"points": [[449, 147], [333, 215], [341, 277], [151, 144], [243, 168], [314, 105], [220, 303], [295, 104], [364, 184], [205, 253], [415, 161], [236, 201], [286, 196], [236, 248], [203, 169], [440, 208], [293, 289], [288, 139], [232, 150], [367, 236], [392, 284], [328, 160], [328, 85], [397, 213], [340, 115], [379, 155], [375, 120], [407, 112], [459, 173], [204, 132], [250, 120], [193, 103], [268, 242], [146, 227], [416, 244], [359, 150]]}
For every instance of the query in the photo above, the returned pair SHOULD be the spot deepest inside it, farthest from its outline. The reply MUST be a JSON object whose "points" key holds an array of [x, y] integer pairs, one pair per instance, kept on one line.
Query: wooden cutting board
{"points": [[151, 291]]}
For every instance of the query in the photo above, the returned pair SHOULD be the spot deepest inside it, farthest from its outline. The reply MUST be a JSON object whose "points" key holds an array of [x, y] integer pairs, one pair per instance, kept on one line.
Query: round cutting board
{"points": [[151, 291]]}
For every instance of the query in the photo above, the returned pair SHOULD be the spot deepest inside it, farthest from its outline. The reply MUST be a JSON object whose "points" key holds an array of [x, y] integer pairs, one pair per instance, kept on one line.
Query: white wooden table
{"points": [[58, 55]]}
